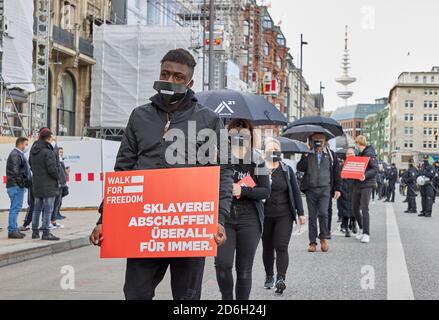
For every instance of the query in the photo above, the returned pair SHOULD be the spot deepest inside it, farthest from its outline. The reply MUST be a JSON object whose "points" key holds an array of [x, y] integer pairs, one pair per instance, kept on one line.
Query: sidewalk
{"points": [[77, 228]]}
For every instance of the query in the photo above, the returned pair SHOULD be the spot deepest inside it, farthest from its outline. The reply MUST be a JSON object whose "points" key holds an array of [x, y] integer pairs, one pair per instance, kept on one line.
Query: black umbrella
{"points": [[293, 146], [231, 104], [328, 123], [302, 133]]}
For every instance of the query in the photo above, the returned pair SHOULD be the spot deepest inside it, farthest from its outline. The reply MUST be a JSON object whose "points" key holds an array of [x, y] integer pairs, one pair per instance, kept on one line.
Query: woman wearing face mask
{"points": [[244, 227], [281, 208]]}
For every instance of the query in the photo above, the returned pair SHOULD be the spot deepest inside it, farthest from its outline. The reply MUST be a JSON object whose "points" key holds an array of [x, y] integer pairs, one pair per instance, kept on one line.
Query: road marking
{"points": [[398, 278]]}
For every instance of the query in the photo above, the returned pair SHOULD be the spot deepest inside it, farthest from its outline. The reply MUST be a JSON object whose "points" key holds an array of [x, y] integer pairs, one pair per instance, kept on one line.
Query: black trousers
{"points": [[380, 191], [427, 194], [276, 237], [391, 192], [411, 197], [360, 201], [330, 215], [31, 203], [243, 236], [144, 275], [318, 200]]}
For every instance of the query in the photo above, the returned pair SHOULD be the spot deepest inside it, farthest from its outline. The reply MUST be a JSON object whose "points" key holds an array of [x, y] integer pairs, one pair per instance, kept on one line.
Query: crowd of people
{"points": [[265, 209], [44, 177]]}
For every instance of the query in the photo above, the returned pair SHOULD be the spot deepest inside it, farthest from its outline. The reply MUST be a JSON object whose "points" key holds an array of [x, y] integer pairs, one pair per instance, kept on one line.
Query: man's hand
{"points": [[337, 195], [363, 178], [302, 220], [236, 190], [96, 235], [220, 236]]}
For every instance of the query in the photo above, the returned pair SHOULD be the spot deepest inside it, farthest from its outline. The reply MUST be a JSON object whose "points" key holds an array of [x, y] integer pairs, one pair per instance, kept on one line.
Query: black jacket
{"points": [[302, 166], [262, 189], [17, 171], [392, 175], [344, 203], [294, 195], [143, 145], [45, 178], [371, 170]]}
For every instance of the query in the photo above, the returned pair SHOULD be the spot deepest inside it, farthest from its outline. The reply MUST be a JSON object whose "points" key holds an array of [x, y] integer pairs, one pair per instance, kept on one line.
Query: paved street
{"points": [[402, 255]]}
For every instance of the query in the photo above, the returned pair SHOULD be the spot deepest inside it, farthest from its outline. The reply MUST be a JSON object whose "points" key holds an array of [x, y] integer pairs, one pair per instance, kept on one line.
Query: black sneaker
{"points": [[49, 237], [24, 228], [269, 282], [421, 215], [347, 234], [15, 235], [280, 286], [35, 235]]}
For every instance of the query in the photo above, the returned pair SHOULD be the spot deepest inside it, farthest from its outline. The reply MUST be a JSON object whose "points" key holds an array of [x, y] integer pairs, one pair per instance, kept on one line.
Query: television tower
{"points": [[345, 79]]}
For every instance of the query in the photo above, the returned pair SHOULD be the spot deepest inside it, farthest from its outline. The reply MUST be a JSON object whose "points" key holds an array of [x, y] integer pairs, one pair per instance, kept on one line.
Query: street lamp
{"points": [[321, 99], [211, 45], [302, 43]]}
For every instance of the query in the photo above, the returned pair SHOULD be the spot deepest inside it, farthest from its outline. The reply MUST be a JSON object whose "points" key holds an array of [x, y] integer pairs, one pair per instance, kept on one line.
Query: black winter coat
{"points": [[45, 178], [143, 145], [371, 170], [17, 171], [344, 203]]}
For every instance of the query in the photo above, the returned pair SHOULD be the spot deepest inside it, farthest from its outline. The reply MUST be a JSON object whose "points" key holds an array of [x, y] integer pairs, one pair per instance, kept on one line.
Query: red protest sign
{"points": [[160, 213], [354, 167]]}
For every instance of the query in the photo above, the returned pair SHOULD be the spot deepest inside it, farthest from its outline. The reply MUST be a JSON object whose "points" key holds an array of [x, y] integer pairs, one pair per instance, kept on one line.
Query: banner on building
{"points": [[160, 213], [354, 167]]}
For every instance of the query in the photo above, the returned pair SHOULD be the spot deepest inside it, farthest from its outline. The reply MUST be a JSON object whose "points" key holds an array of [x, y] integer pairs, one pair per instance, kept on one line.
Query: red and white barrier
{"points": [[88, 159]]}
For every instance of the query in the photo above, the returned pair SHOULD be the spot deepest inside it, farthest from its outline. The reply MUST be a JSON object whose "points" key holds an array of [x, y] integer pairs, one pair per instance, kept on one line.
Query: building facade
{"points": [[414, 116], [352, 117], [376, 128]]}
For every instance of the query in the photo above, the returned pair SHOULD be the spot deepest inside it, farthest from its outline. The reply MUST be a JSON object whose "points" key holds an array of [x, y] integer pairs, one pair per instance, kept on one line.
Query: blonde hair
{"points": [[361, 140], [273, 141]]}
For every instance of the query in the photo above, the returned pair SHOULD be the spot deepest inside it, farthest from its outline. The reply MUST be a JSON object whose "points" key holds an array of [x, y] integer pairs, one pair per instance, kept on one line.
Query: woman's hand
{"points": [[236, 190]]}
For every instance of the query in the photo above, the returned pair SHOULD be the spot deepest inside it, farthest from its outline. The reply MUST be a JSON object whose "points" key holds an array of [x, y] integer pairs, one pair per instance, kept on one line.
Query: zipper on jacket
{"points": [[166, 129]]}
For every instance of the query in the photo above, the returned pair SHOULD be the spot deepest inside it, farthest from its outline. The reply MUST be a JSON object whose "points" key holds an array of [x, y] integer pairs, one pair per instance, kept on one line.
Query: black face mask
{"points": [[275, 156], [318, 144], [170, 92], [240, 140]]}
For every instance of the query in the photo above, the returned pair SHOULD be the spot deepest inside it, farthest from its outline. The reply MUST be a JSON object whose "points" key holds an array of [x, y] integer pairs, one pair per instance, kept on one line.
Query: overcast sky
{"points": [[381, 34]]}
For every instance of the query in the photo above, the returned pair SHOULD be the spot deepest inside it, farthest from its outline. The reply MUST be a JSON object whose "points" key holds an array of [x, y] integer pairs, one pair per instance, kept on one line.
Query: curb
{"points": [[44, 250]]}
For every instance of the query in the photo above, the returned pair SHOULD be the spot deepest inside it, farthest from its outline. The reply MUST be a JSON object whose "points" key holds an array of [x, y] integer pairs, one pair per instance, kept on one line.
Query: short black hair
{"points": [[181, 56], [60, 148], [45, 135], [20, 140]]}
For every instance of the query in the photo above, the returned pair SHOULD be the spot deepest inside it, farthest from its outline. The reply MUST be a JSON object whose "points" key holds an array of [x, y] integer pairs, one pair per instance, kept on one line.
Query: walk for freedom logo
{"points": [[223, 105]]}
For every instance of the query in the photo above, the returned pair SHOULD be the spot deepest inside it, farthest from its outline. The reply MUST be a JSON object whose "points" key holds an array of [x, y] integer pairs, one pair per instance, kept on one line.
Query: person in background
{"points": [[321, 177], [59, 153], [363, 188], [30, 198], [17, 180], [436, 180], [244, 226], [409, 178], [392, 177], [281, 210], [344, 203], [380, 181], [45, 183], [427, 190]]}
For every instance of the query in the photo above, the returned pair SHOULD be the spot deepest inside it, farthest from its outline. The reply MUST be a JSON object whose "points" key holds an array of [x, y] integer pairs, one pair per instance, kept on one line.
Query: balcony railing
{"points": [[63, 37], [85, 47]]}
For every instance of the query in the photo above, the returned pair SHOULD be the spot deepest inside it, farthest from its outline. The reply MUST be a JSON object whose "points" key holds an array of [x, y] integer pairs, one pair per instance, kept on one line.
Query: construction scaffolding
{"points": [[16, 34]]}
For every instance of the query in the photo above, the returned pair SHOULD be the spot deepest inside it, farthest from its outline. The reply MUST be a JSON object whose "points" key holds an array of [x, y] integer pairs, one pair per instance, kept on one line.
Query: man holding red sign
{"points": [[363, 187], [145, 143]]}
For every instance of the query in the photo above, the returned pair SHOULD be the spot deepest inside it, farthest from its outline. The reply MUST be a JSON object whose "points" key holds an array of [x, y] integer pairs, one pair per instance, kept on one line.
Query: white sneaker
{"points": [[359, 235], [365, 238], [57, 225], [51, 226]]}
